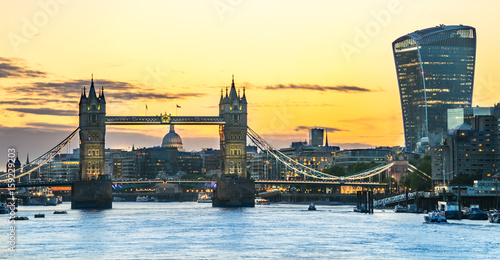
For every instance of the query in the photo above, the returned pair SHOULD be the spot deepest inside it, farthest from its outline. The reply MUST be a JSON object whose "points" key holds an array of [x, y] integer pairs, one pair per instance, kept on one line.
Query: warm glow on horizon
{"points": [[303, 64]]}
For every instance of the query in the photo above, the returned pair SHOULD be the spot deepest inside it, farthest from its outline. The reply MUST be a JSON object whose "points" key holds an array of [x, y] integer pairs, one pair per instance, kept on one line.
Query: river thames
{"points": [[188, 230]]}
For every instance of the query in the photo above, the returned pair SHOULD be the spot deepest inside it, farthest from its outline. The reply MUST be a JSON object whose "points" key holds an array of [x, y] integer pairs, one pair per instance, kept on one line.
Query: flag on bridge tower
{"points": [[176, 106]]}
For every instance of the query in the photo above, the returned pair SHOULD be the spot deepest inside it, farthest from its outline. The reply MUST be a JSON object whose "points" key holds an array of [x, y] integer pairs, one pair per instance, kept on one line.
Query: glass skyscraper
{"points": [[435, 70]]}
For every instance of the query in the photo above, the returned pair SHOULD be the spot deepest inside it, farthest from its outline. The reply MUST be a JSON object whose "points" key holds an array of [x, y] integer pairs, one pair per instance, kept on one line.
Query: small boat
{"points": [[450, 209], [435, 217], [312, 207], [399, 209], [4, 208], [20, 218], [142, 199], [494, 216], [60, 212], [39, 215], [360, 208], [118, 199], [204, 197], [261, 201], [476, 213]]}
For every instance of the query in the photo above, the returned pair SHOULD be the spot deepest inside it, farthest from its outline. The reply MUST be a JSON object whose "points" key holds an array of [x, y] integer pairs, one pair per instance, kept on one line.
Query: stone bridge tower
{"points": [[235, 188], [92, 133], [233, 108], [92, 190]]}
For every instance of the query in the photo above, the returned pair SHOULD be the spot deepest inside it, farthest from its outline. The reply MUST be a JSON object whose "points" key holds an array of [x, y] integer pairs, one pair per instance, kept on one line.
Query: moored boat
{"points": [[476, 213], [142, 199], [400, 209], [450, 209], [20, 218]]}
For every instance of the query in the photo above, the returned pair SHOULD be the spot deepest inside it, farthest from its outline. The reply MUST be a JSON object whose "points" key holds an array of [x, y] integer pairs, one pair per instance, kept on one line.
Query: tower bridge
{"points": [[93, 189]]}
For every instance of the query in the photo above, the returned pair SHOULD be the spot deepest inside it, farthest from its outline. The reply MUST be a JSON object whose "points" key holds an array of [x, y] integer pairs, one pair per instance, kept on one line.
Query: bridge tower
{"points": [[92, 189], [233, 108], [235, 188], [92, 133]]}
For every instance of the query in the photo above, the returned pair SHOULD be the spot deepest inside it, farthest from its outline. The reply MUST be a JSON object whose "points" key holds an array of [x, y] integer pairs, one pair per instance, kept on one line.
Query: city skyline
{"points": [[326, 65]]}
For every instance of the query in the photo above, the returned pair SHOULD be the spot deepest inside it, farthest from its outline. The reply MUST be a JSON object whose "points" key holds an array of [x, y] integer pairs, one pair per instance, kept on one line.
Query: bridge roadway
{"points": [[284, 182]]}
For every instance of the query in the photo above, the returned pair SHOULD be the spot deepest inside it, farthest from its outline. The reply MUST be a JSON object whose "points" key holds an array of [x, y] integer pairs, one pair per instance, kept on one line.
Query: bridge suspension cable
{"points": [[414, 169], [303, 170], [40, 161]]}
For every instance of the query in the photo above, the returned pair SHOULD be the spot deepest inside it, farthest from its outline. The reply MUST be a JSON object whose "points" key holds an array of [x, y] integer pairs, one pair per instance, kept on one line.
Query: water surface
{"points": [[188, 230]]}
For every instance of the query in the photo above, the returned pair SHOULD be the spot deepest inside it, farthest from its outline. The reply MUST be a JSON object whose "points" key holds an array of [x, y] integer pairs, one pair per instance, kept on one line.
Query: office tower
{"points": [[435, 71], [316, 137]]}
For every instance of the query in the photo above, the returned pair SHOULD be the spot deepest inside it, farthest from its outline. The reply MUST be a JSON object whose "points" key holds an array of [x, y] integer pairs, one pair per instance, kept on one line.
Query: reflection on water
{"points": [[188, 230]]}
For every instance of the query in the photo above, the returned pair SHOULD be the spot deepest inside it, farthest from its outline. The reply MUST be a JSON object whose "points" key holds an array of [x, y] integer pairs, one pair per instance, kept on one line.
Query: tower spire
{"points": [[232, 92], [92, 93], [326, 143]]}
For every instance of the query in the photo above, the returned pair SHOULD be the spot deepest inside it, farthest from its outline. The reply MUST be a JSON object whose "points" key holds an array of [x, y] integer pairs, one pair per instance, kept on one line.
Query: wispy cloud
{"points": [[16, 68], [328, 129], [35, 101], [117, 90], [18, 103], [45, 111], [50, 126], [339, 88]]}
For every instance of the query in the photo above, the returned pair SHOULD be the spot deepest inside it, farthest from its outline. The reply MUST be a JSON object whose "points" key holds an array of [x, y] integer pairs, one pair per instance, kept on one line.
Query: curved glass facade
{"points": [[435, 70]]}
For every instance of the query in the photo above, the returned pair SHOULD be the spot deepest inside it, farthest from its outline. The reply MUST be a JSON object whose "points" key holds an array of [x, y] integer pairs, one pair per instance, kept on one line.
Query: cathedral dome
{"points": [[172, 139]]}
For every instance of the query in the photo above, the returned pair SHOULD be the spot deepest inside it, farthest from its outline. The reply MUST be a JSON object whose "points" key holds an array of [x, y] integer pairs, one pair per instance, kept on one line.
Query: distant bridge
{"points": [[197, 181]]}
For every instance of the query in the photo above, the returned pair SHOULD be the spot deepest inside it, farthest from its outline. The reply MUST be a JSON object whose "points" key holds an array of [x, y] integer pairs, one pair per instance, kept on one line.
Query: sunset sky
{"points": [[303, 64]]}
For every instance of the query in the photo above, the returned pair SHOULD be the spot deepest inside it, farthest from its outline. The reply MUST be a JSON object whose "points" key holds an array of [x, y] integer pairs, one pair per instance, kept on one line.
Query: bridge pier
{"points": [[234, 193], [96, 194]]}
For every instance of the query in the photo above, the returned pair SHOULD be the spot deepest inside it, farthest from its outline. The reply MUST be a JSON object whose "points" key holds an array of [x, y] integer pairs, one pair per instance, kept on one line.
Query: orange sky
{"points": [[295, 59]]}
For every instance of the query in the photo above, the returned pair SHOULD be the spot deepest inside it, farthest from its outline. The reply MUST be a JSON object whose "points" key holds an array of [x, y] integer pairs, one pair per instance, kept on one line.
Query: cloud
{"points": [[45, 111], [339, 88], [328, 129], [18, 103], [118, 91], [49, 126], [35, 101], [292, 104], [15, 68]]}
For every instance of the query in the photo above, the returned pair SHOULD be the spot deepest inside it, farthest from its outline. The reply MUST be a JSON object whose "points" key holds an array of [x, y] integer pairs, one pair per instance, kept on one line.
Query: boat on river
{"points": [[142, 199], [4, 208], [435, 217], [450, 209], [204, 197], [476, 214], [400, 209], [360, 209], [261, 201], [494, 216], [311, 207]]}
